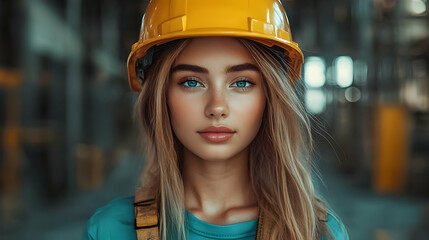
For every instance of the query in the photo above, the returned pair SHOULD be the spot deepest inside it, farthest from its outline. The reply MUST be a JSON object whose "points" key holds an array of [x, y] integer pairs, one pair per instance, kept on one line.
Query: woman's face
{"points": [[215, 82]]}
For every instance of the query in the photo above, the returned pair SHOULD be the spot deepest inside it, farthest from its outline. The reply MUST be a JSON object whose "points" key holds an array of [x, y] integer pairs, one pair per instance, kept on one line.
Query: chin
{"points": [[215, 153], [211, 158], [210, 154]]}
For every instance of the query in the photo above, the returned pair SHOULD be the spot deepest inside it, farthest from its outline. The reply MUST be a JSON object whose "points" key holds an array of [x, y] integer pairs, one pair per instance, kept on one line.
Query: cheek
{"points": [[250, 112], [183, 111]]}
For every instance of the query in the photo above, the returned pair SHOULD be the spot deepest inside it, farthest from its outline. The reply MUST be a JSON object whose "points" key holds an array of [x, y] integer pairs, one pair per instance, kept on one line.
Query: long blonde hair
{"points": [[279, 158]]}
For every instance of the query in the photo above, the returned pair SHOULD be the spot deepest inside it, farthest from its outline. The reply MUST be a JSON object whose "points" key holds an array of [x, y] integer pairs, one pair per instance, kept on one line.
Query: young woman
{"points": [[227, 141]]}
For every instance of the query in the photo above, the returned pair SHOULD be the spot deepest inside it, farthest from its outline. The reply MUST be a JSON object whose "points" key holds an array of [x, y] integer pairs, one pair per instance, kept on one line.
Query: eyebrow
{"points": [[198, 69], [242, 67], [188, 67]]}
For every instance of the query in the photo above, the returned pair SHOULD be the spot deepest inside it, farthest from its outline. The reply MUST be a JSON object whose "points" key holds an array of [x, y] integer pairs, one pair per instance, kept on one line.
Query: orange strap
{"points": [[146, 215], [264, 226]]}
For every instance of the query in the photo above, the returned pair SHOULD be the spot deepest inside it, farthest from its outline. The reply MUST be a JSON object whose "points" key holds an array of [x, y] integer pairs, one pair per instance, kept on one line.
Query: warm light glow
{"points": [[417, 7], [344, 71], [314, 72], [315, 101]]}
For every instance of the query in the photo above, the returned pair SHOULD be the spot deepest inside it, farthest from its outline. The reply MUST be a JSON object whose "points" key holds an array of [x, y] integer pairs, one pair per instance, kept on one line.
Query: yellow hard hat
{"points": [[264, 21]]}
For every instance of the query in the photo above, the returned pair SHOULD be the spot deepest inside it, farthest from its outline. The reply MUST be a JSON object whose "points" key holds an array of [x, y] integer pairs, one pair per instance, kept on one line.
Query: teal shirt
{"points": [[116, 221]]}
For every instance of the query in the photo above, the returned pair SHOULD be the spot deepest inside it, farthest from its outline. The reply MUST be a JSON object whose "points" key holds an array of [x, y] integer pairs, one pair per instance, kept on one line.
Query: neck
{"points": [[212, 188]]}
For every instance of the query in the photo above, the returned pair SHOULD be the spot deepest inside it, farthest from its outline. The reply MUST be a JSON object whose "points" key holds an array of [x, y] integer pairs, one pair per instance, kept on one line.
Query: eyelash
{"points": [[247, 88]]}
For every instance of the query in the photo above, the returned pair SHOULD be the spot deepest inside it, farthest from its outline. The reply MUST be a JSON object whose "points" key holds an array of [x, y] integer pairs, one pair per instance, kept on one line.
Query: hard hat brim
{"points": [[139, 49]]}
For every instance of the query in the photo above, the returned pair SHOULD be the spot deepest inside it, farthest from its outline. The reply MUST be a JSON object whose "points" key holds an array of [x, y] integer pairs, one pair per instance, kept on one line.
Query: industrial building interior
{"points": [[69, 143]]}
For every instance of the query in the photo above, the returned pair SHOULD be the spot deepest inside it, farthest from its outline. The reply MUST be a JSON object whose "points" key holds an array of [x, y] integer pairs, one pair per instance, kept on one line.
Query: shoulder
{"points": [[337, 228], [114, 219]]}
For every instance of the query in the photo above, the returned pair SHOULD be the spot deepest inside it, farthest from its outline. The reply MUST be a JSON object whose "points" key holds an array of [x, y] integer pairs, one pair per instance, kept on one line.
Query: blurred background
{"points": [[69, 144]]}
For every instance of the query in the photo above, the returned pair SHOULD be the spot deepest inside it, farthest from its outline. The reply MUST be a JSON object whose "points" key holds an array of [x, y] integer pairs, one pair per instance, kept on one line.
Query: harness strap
{"points": [[264, 226], [146, 215]]}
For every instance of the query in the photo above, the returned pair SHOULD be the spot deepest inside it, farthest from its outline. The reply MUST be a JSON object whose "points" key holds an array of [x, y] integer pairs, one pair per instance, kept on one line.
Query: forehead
{"points": [[209, 50]]}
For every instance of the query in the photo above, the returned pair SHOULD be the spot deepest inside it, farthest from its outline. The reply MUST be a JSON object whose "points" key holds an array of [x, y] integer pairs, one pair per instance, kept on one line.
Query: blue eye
{"points": [[191, 83], [243, 84]]}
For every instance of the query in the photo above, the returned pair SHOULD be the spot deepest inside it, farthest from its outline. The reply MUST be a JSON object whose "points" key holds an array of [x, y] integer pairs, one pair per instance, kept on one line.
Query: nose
{"points": [[217, 106]]}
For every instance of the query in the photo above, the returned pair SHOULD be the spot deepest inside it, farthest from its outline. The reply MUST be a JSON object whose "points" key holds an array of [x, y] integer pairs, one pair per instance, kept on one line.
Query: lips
{"points": [[216, 134]]}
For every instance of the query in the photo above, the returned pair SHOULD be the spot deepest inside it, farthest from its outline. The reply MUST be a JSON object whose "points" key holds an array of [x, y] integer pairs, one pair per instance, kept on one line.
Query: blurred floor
{"points": [[365, 214], [66, 219], [368, 215]]}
